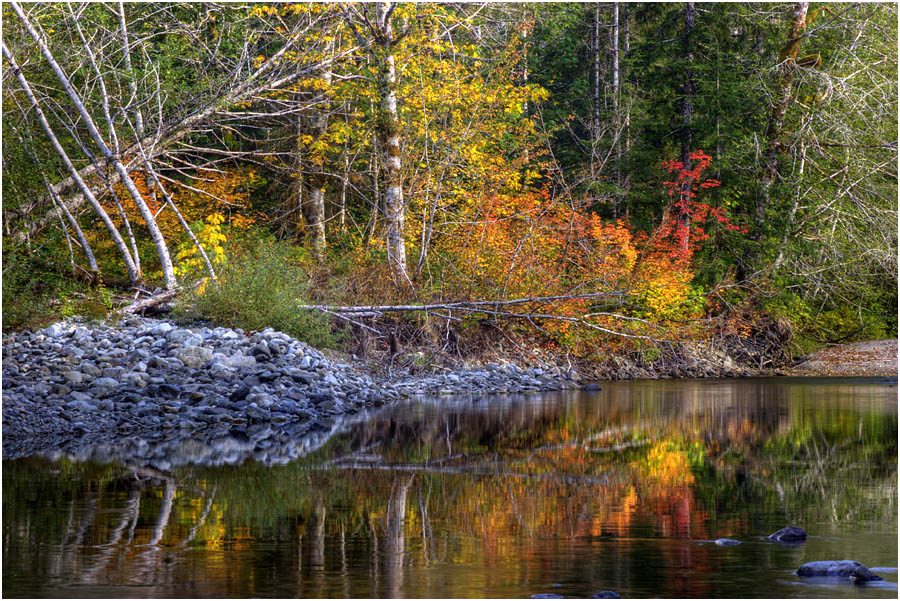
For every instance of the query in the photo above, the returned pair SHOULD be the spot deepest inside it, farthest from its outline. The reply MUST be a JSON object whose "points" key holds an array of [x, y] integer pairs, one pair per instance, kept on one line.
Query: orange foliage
{"points": [[530, 245]]}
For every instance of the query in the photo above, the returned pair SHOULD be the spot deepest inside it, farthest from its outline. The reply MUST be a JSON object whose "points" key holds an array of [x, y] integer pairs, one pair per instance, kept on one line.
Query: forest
{"points": [[587, 179]]}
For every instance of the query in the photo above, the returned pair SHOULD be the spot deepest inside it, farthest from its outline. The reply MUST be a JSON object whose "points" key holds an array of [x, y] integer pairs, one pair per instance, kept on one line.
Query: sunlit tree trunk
{"points": [[133, 90], [389, 134]]}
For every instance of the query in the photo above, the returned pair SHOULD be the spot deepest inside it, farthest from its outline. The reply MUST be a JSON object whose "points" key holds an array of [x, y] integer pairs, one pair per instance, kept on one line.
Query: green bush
{"points": [[260, 285], [35, 284]]}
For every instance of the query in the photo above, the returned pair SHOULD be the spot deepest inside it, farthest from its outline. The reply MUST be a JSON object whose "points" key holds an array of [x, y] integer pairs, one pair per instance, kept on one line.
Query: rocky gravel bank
{"points": [[151, 378]]}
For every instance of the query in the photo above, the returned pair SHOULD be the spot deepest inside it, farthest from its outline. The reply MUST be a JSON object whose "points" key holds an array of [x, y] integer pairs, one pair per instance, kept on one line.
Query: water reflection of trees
{"points": [[502, 486]]}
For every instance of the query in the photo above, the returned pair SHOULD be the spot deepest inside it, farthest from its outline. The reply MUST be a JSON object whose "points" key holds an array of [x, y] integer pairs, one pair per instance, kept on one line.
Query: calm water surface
{"points": [[571, 494]]}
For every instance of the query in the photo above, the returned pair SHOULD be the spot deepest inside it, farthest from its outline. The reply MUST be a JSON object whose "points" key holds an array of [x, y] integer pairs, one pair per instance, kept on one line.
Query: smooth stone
{"points": [[194, 356], [113, 372], [106, 383], [169, 390], [74, 377], [261, 399], [178, 336], [157, 363], [606, 595], [162, 329], [90, 369], [591, 387], [845, 569], [239, 361], [790, 534], [727, 542], [80, 396], [80, 404], [261, 349], [547, 596], [54, 331]]}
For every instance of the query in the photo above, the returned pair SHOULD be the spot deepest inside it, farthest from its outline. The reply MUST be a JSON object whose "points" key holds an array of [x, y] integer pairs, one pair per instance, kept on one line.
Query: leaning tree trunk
{"points": [[787, 72], [133, 272], [168, 134], [155, 233], [389, 137]]}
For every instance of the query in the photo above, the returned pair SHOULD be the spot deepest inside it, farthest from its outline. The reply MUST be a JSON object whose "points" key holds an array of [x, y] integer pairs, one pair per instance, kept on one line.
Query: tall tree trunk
{"points": [[595, 92], [615, 103], [787, 71], [133, 272], [155, 233], [626, 124], [687, 109], [314, 207], [389, 135]]}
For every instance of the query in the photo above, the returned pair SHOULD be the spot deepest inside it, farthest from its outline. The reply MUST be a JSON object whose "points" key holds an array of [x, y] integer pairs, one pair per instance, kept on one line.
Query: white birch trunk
{"points": [[155, 233], [389, 130], [133, 273]]}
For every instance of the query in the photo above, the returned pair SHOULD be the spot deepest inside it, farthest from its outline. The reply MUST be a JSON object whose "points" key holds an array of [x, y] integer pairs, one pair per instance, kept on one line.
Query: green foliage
{"points": [[33, 284], [260, 285]]}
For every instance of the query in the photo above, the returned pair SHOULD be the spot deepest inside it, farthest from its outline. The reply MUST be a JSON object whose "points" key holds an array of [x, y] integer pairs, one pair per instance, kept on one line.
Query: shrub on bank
{"points": [[261, 282]]}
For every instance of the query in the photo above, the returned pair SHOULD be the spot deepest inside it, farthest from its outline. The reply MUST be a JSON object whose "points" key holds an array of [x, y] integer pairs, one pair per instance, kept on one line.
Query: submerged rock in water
{"points": [[546, 596], [606, 595], [727, 542], [591, 387], [791, 534], [846, 569]]}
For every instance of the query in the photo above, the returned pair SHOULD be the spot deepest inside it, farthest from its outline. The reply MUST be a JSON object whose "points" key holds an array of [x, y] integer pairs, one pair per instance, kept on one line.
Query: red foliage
{"points": [[675, 236]]}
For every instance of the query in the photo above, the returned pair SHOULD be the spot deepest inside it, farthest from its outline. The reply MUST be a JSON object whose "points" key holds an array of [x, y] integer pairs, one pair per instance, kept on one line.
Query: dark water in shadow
{"points": [[570, 494]]}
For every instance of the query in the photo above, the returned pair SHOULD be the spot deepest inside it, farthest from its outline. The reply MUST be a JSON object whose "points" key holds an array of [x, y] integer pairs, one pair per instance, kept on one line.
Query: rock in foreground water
{"points": [[727, 542], [846, 569], [791, 534]]}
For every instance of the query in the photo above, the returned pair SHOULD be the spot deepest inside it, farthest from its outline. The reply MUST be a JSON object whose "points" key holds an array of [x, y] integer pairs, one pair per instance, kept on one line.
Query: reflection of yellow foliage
{"points": [[667, 465]]}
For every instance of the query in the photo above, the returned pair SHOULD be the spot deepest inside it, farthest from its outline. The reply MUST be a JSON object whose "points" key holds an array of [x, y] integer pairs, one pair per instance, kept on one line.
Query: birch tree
{"points": [[381, 46]]}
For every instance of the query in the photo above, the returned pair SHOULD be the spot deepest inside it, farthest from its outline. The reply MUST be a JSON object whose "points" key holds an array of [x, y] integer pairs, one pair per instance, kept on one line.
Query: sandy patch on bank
{"points": [[868, 358]]}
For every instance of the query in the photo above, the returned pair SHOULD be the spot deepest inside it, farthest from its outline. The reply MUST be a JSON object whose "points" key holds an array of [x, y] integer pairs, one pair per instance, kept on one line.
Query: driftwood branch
{"points": [[148, 303], [494, 308]]}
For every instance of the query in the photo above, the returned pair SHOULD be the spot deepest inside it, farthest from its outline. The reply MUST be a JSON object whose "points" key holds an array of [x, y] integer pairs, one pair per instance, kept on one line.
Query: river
{"points": [[566, 494]]}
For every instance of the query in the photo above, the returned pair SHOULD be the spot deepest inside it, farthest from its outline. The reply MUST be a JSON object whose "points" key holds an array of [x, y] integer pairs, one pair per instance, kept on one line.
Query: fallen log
{"points": [[148, 303], [494, 309]]}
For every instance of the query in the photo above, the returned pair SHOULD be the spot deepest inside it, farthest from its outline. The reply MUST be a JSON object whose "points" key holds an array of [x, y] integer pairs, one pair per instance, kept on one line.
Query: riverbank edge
{"points": [[41, 407]]}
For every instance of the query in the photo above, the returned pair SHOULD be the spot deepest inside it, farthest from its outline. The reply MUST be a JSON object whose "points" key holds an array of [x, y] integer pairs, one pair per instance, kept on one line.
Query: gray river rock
{"points": [[727, 542], [791, 534], [845, 569], [151, 378]]}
